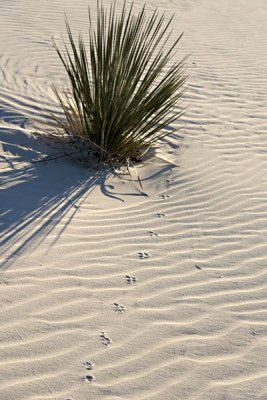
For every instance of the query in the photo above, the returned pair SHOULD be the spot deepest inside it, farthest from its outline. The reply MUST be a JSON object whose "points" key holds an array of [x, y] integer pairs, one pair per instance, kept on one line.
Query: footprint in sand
{"points": [[88, 365], [130, 279], [89, 378], [143, 255], [104, 339], [118, 308], [169, 181], [152, 234], [164, 196], [160, 215]]}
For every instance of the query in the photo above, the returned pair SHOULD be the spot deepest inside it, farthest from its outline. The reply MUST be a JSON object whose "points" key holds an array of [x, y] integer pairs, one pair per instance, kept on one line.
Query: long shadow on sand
{"points": [[34, 198]]}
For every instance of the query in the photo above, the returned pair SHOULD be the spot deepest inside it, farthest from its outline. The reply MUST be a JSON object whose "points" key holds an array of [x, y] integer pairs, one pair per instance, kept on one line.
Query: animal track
{"points": [[143, 255], [152, 233], [104, 339], [160, 215], [164, 196], [89, 378], [118, 308], [169, 181], [88, 365], [130, 279]]}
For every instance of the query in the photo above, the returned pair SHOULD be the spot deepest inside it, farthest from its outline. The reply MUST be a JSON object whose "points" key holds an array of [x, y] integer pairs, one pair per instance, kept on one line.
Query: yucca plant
{"points": [[124, 84]]}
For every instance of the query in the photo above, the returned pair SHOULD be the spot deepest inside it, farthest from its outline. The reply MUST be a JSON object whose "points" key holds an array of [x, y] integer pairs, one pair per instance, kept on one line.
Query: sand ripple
{"points": [[106, 293]]}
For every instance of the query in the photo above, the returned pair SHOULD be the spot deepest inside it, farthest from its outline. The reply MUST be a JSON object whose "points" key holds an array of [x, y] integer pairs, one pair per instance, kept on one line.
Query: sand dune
{"points": [[110, 294]]}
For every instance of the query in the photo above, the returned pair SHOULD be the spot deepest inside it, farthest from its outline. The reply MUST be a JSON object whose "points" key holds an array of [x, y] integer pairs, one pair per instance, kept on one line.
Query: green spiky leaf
{"points": [[125, 86]]}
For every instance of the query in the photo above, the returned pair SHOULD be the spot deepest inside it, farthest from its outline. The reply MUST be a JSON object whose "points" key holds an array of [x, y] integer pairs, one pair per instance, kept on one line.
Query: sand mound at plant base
{"points": [[106, 293]]}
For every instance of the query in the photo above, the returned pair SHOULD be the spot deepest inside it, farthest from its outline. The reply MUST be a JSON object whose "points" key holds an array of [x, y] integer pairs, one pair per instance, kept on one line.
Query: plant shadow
{"points": [[36, 197]]}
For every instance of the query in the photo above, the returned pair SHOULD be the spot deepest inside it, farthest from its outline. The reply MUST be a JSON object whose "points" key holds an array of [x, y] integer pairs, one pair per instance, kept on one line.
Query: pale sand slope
{"points": [[194, 324]]}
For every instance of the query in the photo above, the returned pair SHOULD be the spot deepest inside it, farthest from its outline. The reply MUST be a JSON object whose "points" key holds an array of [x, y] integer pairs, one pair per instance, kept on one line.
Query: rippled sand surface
{"points": [[108, 294]]}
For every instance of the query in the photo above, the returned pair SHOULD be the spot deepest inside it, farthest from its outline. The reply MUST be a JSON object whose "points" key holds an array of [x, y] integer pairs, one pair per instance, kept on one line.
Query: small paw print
{"points": [[104, 339], [160, 215], [118, 308], [130, 279], [143, 255], [89, 378], [169, 181], [152, 234], [88, 365]]}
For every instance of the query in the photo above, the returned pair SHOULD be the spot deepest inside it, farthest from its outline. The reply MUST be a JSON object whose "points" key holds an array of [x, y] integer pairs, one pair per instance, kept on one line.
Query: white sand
{"points": [[194, 324]]}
